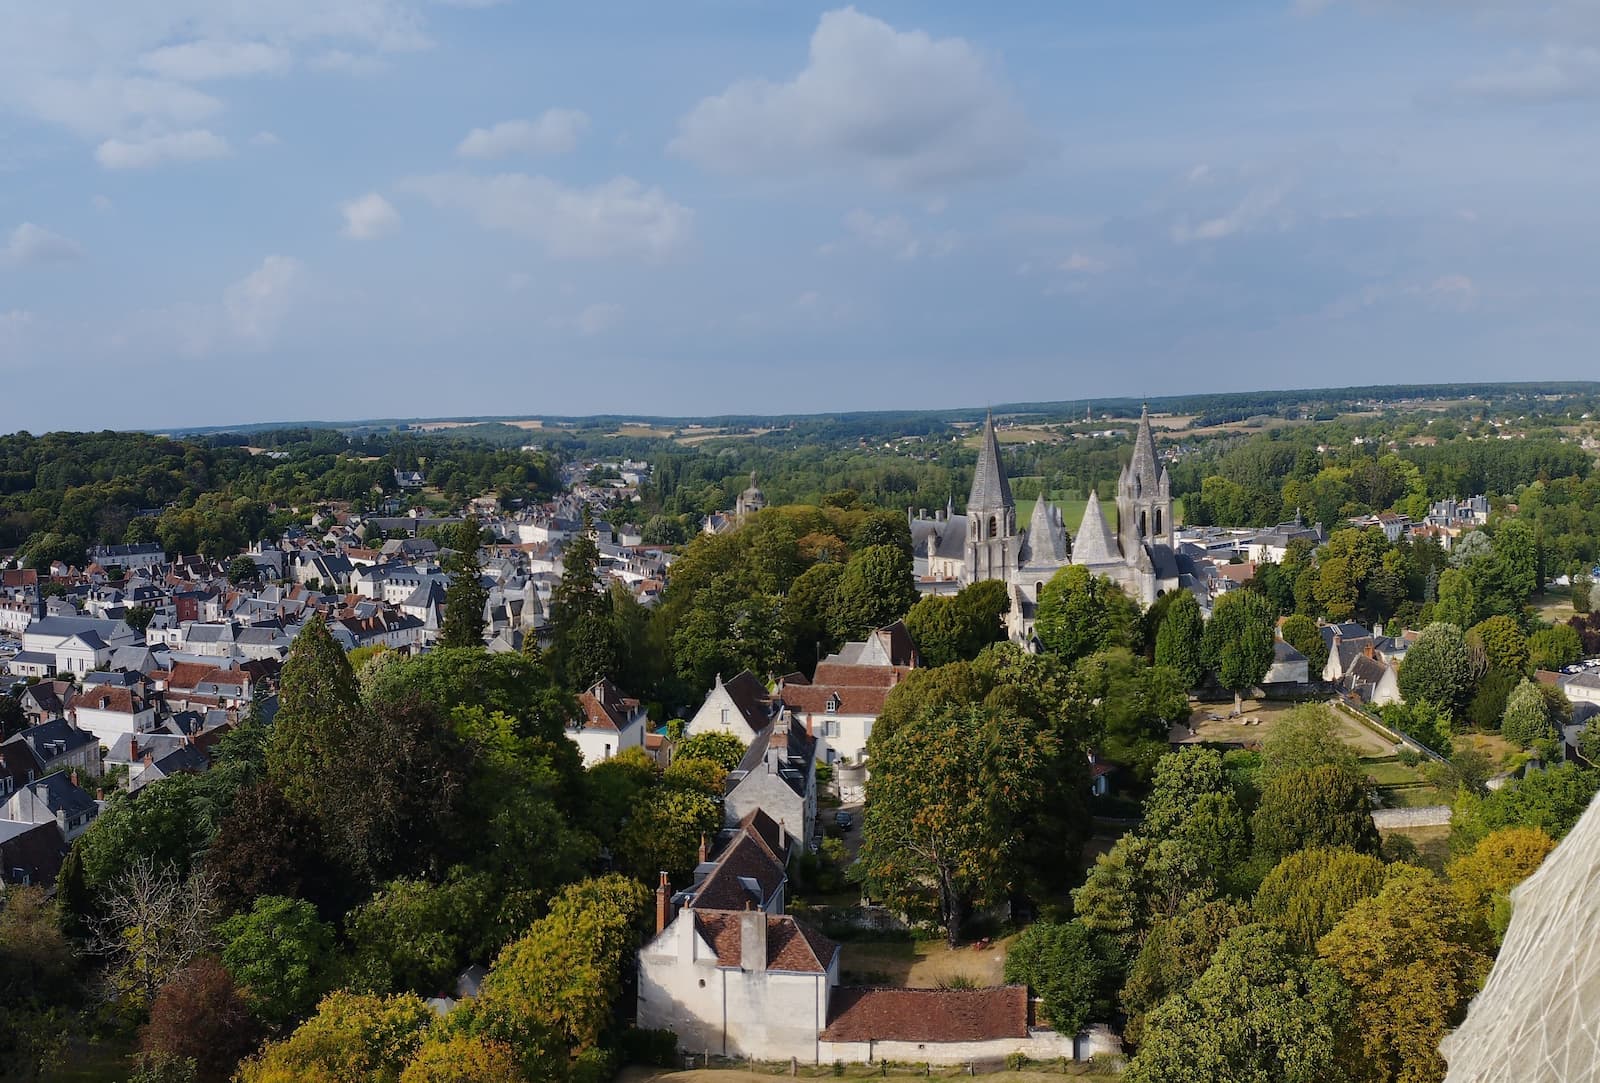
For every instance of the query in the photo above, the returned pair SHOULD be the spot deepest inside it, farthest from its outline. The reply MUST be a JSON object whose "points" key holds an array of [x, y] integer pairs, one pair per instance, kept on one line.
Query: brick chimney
{"points": [[74, 776], [752, 939], [663, 903], [703, 855], [133, 748]]}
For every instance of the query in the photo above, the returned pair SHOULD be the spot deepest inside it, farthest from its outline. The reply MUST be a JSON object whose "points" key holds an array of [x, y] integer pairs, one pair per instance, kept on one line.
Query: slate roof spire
{"points": [[990, 489], [1145, 465], [1094, 543]]}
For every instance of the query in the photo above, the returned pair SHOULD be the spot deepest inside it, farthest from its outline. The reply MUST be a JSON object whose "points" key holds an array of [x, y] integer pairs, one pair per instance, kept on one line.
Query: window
{"points": [[1158, 520], [833, 702], [993, 526], [830, 728], [608, 752], [724, 716]]}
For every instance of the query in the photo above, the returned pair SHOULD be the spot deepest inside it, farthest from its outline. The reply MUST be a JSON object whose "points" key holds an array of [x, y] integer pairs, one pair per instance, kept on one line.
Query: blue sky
{"points": [[221, 211]]}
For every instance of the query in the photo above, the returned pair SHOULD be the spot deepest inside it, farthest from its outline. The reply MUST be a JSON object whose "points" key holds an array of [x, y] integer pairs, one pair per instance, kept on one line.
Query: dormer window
{"points": [[833, 702]]}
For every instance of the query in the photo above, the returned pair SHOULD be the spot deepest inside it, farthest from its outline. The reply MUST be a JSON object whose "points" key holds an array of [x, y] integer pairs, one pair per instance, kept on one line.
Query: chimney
{"points": [[752, 939], [703, 856], [783, 837], [149, 759], [663, 903], [74, 777], [810, 732], [133, 748], [1369, 651]]}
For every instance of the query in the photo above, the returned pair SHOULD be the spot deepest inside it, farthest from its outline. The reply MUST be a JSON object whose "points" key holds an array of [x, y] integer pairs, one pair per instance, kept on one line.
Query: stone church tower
{"points": [[992, 542], [1144, 496]]}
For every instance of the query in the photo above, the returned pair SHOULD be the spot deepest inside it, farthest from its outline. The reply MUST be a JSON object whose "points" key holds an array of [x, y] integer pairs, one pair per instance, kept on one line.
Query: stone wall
{"points": [[1389, 819]]}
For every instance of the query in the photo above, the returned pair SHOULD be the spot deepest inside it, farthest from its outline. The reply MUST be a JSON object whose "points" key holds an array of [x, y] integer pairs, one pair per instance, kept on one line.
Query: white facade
{"points": [[598, 745], [744, 1010]]}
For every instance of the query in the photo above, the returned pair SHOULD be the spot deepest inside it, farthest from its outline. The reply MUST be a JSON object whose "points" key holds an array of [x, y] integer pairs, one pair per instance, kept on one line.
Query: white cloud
{"points": [[199, 61], [127, 73], [369, 217], [555, 131], [1258, 206], [903, 108], [618, 217], [33, 246], [254, 307], [892, 234], [189, 146]]}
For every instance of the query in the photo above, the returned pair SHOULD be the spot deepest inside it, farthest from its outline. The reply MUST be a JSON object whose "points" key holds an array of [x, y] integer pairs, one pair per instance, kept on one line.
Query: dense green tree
{"points": [[1064, 965], [1307, 736], [1488, 703], [1554, 647], [1503, 642], [464, 1058], [1301, 633], [38, 981], [352, 1038], [1179, 640], [1483, 877], [1080, 613], [1457, 602], [278, 955], [138, 617], [1126, 708], [465, 598], [663, 832], [413, 935], [723, 749], [551, 994], [948, 791], [1257, 1015], [1527, 718], [1175, 952], [953, 628], [318, 710], [806, 612], [1317, 806], [1437, 669], [1409, 959], [1551, 800], [875, 590], [1309, 891], [1238, 641], [583, 646]]}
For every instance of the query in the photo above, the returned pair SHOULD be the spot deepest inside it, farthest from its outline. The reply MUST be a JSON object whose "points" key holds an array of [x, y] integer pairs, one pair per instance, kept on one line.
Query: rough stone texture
{"points": [[1537, 1019]]}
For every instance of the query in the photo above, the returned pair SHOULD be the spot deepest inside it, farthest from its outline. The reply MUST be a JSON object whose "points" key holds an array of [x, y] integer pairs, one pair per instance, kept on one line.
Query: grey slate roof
{"points": [[990, 489], [1095, 543]]}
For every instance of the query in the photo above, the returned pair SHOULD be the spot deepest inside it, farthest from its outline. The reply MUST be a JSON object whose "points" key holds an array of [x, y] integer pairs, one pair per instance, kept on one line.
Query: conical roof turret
{"points": [[1094, 542], [990, 489], [1047, 541]]}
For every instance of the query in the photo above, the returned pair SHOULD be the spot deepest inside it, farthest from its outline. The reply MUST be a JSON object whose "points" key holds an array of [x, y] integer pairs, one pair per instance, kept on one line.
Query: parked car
{"points": [[843, 821]]}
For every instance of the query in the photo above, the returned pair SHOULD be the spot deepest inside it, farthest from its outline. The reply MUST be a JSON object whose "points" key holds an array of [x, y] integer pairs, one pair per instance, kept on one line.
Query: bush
{"points": [[1016, 1062], [652, 1048], [1408, 755]]}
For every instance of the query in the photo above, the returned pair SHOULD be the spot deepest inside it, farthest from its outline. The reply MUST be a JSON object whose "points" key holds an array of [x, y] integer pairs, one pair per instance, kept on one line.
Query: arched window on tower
{"points": [[1158, 522], [1143, 525], [993, 527]]}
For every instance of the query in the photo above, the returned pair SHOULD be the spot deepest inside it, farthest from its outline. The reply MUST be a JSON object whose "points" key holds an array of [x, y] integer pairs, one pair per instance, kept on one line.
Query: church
{"points": [[1140, 555]]}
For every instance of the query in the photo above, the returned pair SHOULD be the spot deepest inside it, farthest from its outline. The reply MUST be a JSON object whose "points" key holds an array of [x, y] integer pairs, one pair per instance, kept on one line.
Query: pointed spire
{"points": [[1145, 465], [1094, 542], [990, 489], [1047, 543]]}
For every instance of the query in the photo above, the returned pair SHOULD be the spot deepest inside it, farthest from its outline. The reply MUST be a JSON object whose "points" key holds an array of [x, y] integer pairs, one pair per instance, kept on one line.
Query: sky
{"points": [[227, 211]]}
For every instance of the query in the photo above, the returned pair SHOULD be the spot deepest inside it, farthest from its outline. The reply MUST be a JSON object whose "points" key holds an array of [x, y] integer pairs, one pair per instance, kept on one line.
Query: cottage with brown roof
{"points": [[738, 983], [608, 722]]}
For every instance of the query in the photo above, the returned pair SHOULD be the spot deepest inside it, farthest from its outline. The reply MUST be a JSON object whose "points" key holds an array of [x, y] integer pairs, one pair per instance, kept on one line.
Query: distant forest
{"points": [[1242, 459]]}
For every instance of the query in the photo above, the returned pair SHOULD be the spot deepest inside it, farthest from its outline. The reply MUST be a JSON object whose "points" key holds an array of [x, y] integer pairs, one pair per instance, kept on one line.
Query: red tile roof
{"points": [[928, 1015], [791, 946]]}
